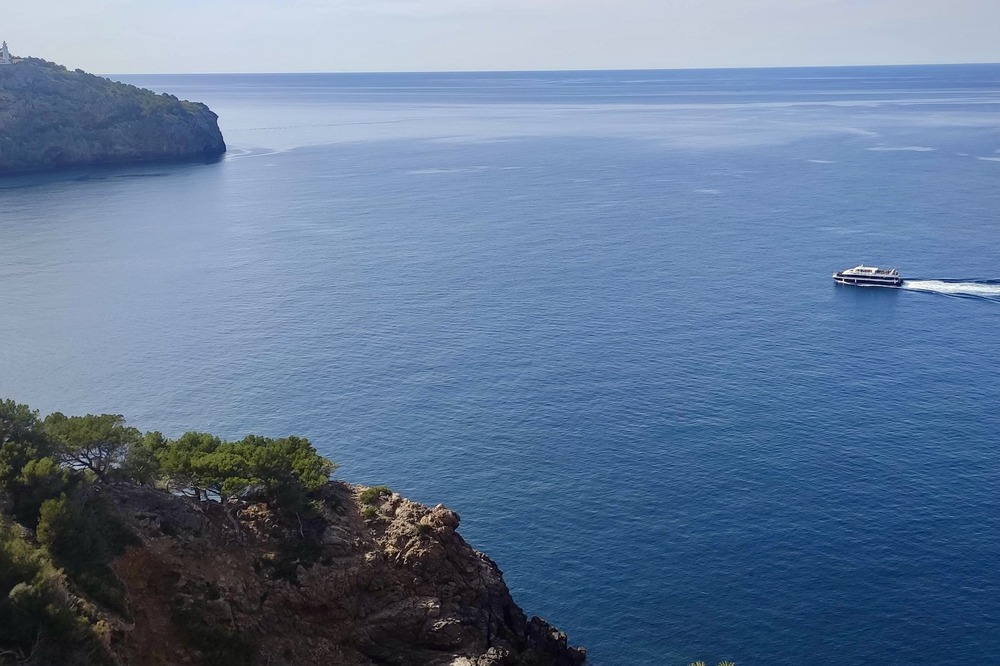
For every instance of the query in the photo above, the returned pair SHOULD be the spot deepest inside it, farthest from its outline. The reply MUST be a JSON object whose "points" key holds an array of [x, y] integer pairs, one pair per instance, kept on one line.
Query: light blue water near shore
{"points": [[593, 313]]}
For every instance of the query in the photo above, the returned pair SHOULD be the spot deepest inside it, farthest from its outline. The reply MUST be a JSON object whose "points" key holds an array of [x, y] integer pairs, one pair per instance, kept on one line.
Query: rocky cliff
{"points": [[370, 578], [51, 118]]}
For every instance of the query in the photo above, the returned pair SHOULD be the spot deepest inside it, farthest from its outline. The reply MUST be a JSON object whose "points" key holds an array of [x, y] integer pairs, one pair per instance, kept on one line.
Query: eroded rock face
{"points": [[53, 118], [384, 582]]}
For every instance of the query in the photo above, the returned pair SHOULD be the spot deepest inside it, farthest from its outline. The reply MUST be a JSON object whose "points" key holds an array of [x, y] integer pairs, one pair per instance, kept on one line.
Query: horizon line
{"points": [[559, 71]]}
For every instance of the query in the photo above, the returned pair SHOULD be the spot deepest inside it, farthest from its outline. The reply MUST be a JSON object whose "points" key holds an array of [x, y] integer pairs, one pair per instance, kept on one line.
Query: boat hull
{"points": [[867, 281]]}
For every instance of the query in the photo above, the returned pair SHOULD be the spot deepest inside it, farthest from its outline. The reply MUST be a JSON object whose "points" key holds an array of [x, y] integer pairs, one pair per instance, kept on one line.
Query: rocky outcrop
{"points": [[367, 578], [52, 118]]}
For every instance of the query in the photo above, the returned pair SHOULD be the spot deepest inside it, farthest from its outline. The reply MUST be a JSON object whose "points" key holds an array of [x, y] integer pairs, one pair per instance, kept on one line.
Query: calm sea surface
{"points": [[593, 313]]}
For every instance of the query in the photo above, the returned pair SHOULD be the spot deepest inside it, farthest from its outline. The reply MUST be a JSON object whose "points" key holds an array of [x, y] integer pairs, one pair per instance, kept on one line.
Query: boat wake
{"points": [[987, 289]]}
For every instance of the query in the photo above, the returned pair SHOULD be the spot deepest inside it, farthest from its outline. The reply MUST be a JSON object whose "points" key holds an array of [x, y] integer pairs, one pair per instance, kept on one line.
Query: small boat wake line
{"points": [[988, 289]]}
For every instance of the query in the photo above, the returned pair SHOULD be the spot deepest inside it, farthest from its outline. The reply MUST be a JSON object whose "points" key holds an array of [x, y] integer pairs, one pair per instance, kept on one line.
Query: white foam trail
{"points": [[954, 288]]}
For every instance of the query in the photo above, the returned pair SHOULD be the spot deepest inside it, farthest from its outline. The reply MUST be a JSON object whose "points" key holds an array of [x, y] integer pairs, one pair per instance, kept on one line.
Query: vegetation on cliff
{"points": [[52, 117], [122, 547]]}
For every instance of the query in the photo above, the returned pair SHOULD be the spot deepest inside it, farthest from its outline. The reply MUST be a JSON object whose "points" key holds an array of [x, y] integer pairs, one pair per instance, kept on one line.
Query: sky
{"points": [[151, 36]]}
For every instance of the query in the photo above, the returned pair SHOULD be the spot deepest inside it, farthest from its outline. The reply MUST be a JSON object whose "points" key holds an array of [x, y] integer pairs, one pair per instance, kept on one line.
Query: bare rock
{"points": [[339, 588]]}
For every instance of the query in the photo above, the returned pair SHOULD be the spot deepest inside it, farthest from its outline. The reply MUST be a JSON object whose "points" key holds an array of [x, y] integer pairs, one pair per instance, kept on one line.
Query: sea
{"points": [[593, 313]]}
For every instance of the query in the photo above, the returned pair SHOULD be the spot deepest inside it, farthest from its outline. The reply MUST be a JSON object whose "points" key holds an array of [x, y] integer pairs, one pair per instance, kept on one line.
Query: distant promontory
{"points": [[53, 118]]}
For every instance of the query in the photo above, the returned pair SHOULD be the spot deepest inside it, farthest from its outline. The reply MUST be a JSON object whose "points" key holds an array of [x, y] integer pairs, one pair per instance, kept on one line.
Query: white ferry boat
{"points": [[869, 276]]}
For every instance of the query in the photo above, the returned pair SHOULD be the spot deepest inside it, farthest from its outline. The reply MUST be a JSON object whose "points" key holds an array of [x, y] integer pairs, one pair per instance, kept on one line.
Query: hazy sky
{"points": [[145, 36]]}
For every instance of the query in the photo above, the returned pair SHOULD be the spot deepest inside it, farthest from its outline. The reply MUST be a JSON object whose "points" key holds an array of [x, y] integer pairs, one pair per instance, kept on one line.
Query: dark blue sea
{"points": [[592, 312]]}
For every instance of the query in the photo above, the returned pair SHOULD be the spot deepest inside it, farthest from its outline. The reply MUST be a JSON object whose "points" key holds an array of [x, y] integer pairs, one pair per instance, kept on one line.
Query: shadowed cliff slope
{"points": [[52, 118], [373, 581]]}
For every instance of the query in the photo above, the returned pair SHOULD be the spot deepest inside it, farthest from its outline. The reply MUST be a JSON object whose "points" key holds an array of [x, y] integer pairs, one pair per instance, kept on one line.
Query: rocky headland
{"points": [[118, 548], [54, 118], [379, 580]]}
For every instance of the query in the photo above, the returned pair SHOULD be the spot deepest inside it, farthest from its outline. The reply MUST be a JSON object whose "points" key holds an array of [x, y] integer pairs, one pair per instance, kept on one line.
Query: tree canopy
{"points": [[93, 442], [51, 475], [45, 459], [51, 471], [21, 439]]}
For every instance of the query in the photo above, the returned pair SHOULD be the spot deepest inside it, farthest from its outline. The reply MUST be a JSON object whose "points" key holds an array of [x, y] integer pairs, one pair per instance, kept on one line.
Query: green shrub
{"points": [[374, 494], [38, 621], [83, 537], [40, 479], [24, 444]]}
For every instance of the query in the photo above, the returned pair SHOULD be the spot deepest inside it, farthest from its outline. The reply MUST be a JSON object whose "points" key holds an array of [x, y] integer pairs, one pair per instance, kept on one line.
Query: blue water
{"points": [[593, 313]]}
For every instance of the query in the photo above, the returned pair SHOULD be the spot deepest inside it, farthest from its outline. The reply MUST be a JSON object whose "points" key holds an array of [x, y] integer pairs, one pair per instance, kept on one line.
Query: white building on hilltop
{"points": [[5, 55]]}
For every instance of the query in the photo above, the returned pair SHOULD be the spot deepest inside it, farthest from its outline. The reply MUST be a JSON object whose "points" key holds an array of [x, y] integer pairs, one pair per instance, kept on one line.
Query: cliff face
{"points": [[53, 118], [377, 580]]}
